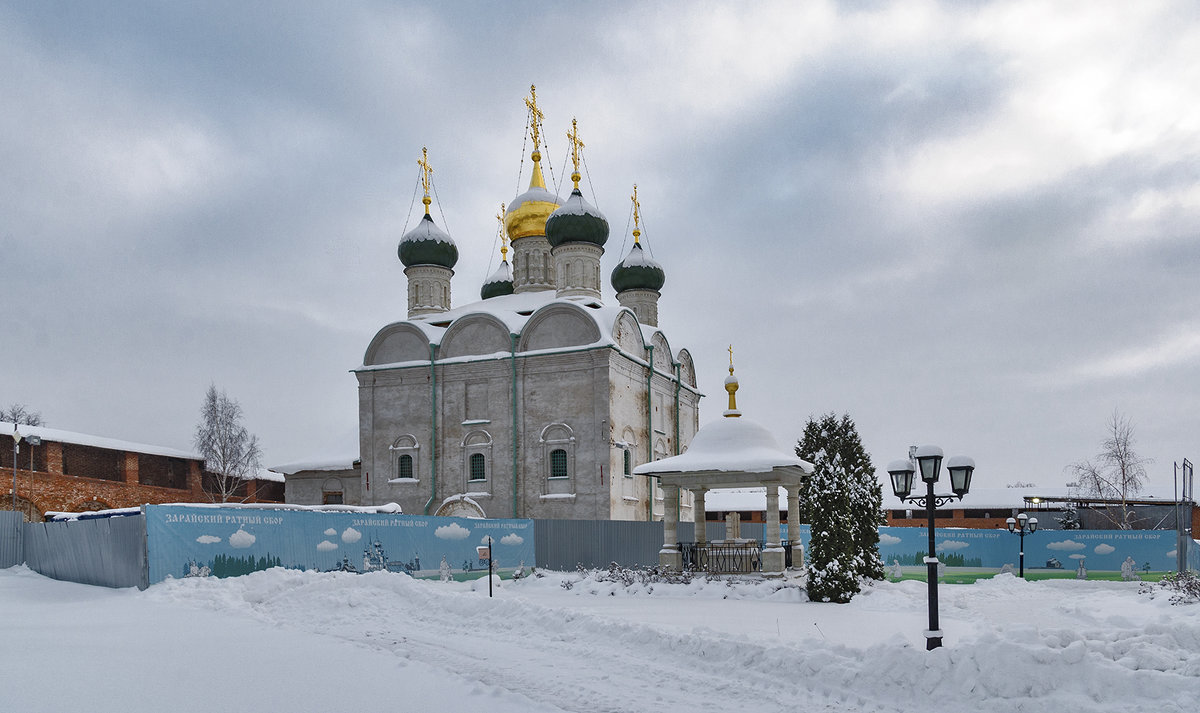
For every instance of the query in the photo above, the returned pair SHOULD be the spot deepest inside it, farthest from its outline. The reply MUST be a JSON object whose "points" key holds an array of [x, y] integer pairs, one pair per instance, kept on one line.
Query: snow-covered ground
{"points": [[285, 640]]}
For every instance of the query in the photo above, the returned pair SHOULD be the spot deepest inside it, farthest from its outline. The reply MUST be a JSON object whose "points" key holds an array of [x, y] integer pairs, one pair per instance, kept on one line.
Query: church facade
{"points": [[539, 400]]}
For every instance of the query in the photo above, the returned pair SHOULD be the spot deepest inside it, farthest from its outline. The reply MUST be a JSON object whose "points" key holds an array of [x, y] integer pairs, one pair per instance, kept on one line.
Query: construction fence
{"points": [[140, 548]]}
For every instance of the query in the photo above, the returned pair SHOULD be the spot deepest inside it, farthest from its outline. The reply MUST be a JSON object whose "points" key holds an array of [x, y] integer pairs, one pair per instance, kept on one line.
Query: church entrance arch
{"points": [[460, 506]]}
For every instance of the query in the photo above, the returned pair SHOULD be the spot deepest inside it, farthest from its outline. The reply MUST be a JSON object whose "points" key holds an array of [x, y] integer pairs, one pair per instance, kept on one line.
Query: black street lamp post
{"points": [[929, 460], [1020, 526]]}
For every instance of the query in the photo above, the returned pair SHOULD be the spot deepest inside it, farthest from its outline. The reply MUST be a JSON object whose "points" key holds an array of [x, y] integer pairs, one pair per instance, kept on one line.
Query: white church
{"points": [[538, 400]]}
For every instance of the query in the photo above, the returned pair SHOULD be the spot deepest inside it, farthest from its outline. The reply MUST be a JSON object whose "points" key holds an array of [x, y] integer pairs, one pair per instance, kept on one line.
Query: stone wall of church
{"points": [[574, 410]]}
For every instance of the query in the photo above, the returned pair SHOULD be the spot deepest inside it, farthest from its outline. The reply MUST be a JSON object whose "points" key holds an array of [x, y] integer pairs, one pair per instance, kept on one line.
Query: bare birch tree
{"points": [[231, 453], [19, 414], [1116, 474]]}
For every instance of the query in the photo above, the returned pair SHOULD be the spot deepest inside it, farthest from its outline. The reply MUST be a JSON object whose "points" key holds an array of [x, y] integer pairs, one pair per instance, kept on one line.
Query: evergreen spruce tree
{"points": [[842, 502]]}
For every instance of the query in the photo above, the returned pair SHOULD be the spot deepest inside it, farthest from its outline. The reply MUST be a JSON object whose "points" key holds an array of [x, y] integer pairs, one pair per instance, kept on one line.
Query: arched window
{"points": [[405, 452], [476, 459], [558, 463], [478, 467], [628, 464]]}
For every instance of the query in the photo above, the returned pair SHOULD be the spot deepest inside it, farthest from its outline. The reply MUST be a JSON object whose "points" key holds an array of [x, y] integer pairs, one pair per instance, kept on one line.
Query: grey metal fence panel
{"points": [[10, 538], [567, 544], [109, 552]]}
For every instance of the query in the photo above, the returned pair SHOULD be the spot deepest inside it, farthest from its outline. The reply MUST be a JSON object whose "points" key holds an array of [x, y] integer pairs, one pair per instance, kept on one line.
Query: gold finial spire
{"points": [[576, 144], [503, 235], [637, 232], [535, 131], [535, 122], [731, 385], [423, 162]]}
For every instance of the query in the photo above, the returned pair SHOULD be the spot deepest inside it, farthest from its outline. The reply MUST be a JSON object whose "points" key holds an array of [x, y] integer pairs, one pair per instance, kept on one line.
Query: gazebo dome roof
{"points": [[729, 444]]}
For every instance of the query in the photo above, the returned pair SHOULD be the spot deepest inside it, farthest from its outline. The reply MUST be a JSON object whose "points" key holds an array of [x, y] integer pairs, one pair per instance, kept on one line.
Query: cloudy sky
{"points": [[971, 224]]}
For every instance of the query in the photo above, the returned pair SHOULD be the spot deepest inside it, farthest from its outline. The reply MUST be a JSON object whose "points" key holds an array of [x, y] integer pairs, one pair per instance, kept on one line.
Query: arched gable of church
{"points": [[475, 334], [397, 342], [687, 368], [559, 325], [662, 353], [628, 335]]}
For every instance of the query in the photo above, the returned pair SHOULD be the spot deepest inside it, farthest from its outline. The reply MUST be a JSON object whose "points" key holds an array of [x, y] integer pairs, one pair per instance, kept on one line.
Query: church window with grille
{"points": [[406, 467], [558, 463], [478, 467]]}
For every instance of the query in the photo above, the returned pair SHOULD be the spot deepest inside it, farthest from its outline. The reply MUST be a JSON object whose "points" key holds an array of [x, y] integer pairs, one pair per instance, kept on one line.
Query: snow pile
{"points": [[597, 644]]}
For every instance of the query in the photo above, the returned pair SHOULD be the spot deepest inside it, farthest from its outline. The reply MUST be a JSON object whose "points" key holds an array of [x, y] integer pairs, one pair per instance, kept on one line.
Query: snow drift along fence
{"points": [[10, 538], [109, 551]]}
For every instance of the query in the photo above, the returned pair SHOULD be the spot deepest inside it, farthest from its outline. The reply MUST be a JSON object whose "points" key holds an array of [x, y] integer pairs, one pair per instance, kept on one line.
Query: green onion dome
{"points": [[577, 221], [427, 244], [500, 283], [638, 272]]}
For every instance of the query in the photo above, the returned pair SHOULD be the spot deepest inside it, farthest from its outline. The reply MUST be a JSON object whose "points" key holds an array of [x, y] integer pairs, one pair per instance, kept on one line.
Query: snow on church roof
{"points": [[514, 311]]}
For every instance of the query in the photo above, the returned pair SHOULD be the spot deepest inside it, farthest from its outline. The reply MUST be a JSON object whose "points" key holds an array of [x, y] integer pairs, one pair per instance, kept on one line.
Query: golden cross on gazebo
{"points": [[423, 162], [730, 358], [637, 215], [535, 118], [576, 144]]}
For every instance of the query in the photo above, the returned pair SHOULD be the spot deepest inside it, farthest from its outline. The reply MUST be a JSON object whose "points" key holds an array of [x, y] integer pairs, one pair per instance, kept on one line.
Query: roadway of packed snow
{"points": [[306, 641]]}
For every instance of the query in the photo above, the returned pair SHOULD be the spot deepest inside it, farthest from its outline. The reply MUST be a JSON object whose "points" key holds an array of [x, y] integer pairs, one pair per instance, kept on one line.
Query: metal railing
{"points": [[722, 557]]}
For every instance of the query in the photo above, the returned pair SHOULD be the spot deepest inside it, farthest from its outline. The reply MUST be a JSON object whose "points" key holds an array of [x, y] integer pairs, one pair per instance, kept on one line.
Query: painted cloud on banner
{"points": [[453, 531], [326, 545], [241, 539], [512, 538], [350, 535], [330, 532], [207, 539], [1066, 546], [1105, 549], [954, 545]]}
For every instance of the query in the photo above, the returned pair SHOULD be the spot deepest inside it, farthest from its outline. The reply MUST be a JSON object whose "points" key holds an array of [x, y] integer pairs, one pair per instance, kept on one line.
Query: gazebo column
{"points": [[669, 557], [793, 498], [773, 554], [698, 514]]}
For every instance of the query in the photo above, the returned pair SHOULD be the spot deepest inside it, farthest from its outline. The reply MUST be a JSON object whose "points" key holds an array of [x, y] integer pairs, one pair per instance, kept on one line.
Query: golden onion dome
{"points": [[527, 213]]}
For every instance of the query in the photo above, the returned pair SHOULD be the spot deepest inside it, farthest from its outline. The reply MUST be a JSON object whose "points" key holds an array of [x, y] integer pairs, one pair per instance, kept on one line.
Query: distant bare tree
{"points": [[231, 453], [1117, 473], [19, 414]]}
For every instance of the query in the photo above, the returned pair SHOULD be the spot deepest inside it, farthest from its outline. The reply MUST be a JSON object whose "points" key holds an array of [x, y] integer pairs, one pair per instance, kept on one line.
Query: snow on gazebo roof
{"points": [[728, 445]]}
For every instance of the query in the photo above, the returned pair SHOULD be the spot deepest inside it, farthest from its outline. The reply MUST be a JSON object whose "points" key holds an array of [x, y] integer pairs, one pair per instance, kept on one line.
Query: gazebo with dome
{"points": [[732, 452]]}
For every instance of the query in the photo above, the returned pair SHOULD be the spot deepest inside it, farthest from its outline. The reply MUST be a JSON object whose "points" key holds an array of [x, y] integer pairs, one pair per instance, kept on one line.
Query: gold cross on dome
{"points": [[576, 144], [637, 215], [535, 118], [503, 235], [730, 358], [426, 169]]}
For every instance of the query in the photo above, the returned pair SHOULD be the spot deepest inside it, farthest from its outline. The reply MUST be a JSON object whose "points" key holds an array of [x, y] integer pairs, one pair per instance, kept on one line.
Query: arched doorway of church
{"points": [[460, 506]]}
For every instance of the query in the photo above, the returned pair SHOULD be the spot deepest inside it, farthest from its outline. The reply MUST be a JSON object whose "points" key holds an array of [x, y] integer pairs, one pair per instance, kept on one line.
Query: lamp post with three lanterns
{"points": [[929, 460], [1020, 526]]}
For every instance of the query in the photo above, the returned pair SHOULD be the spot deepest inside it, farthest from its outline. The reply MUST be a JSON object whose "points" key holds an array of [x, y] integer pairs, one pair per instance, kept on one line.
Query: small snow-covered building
{"points": [[329, 481], [539, 399]]}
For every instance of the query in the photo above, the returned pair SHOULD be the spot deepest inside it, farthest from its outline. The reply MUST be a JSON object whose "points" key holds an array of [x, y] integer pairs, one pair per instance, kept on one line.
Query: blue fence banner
{"points": [[184, 541], [1045, 550]]}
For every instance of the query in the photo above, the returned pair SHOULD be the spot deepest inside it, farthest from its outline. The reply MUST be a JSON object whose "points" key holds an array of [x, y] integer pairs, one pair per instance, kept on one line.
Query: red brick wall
{"points": [[118, 484]]}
